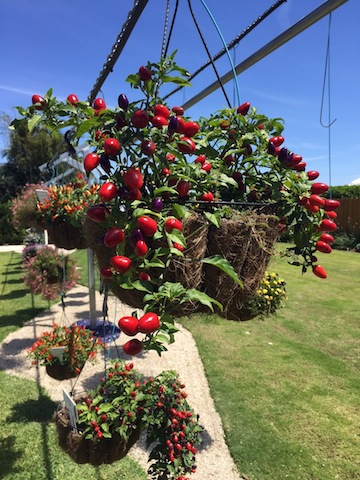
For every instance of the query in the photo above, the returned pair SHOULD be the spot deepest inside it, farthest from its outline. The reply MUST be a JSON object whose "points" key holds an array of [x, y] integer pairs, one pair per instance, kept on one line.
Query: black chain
{"points": [[118, 47]]}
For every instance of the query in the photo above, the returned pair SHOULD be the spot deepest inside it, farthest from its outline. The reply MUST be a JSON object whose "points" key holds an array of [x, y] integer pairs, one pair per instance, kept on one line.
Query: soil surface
{"points": [[213, 458]]}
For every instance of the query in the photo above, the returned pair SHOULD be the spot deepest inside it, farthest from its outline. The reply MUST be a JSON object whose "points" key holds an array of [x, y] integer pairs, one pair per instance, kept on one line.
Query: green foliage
{"points": [[346, 241], [29, 440], [344, 191], [8, 235], [123, 403], [287, 388]]}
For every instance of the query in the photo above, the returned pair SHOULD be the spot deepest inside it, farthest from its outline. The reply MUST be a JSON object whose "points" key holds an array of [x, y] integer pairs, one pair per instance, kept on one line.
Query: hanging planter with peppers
{"points": [[189, 211]]}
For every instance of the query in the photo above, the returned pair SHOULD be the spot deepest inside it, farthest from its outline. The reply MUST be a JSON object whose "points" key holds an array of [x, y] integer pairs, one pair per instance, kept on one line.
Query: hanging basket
{"points": [[64, 235], [61, 372], [246, 240], [95, 452], [181, 269]]}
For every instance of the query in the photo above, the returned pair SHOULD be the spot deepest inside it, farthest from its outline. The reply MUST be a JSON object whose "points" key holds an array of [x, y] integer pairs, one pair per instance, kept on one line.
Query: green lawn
{"points": [[287, 387], [28, 439]]}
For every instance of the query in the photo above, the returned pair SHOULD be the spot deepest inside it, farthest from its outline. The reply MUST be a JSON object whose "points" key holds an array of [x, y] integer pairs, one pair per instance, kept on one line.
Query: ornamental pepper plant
{"points": [[124, 403], [79, 344], [160, 167], [67, 203]]}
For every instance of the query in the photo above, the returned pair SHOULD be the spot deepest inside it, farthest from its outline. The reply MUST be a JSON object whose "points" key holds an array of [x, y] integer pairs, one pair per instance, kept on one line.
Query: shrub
{"points": [[269, 296]]}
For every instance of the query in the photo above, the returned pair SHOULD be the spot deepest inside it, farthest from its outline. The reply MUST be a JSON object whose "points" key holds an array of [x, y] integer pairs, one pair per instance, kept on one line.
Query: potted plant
{"points": [[24, 209], [111, 419], [64, 350], [49, 273], [189, 211], [63, 211]]}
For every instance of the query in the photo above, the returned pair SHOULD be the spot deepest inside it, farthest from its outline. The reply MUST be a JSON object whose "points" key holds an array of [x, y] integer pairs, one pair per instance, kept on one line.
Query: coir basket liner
{"points": [[95, 452]]}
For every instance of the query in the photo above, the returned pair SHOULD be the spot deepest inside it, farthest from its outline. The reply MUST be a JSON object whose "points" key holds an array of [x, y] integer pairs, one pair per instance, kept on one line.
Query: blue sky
{"points": [[63, 44]]}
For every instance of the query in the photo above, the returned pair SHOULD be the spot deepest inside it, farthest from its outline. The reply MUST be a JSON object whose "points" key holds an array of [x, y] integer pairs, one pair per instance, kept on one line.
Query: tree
{"points": [[26, 152]]}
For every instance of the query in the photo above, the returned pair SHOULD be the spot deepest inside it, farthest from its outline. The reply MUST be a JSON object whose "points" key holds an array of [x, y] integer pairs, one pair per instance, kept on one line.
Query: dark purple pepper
{"points": [[271, 148], [173, 125], [101, 239], [157, 205], [136, 236], [283, 155], [123, 102], [105, 163]]}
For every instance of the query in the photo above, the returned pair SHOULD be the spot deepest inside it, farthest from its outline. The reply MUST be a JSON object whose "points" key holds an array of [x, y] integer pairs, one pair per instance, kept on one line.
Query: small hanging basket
{"points": [[96, 452], [61, 372], [64, 235]]}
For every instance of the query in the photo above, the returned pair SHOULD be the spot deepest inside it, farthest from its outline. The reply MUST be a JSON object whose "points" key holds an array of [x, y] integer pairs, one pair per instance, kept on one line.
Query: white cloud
{"points": [[21, 91]]}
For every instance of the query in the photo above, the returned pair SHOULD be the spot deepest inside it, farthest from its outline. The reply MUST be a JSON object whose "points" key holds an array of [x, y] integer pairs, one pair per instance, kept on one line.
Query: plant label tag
{"points": [[71, 406], [42, 194], [58, 352]]}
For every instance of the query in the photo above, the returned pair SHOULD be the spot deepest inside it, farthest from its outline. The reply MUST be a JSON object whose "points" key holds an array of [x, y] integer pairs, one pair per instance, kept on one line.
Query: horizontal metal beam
{"points": [[277, 42]]}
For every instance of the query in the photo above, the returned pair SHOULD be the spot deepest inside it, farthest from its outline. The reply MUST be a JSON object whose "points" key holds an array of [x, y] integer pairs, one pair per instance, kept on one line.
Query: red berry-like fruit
{"points": [[140, 119], [243, 108], [159, 121], [190, 129], [99, 104], [319, 271], [327, 225], [147, 225], [312, 174], [129, 325], [148, 147], [120, 263], [72, 98], [149, 323], [173, 223], [277, 141], [112, 147], [206, 166], [108, 191], [38, 101], [133, 347], [162, 111], [91, 161], [207, 197], [186, 145], [97, 214], [319, 188], [106, 272], [178, 110], [141, 248], [113, 237], [133, 178], [144, 73]]}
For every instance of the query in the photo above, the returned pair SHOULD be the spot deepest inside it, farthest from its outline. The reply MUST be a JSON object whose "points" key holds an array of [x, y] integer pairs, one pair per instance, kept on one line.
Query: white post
{"points": [[91, 277]]}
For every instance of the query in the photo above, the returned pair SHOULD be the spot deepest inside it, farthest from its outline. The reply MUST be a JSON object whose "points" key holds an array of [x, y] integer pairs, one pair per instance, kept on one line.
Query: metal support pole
{"points": [[277, 42]]}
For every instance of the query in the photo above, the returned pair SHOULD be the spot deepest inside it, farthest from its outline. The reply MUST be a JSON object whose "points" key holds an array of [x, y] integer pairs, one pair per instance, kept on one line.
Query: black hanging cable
{"points": [[162, 54], [171, 28], [209, 55], [233, 43]]}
